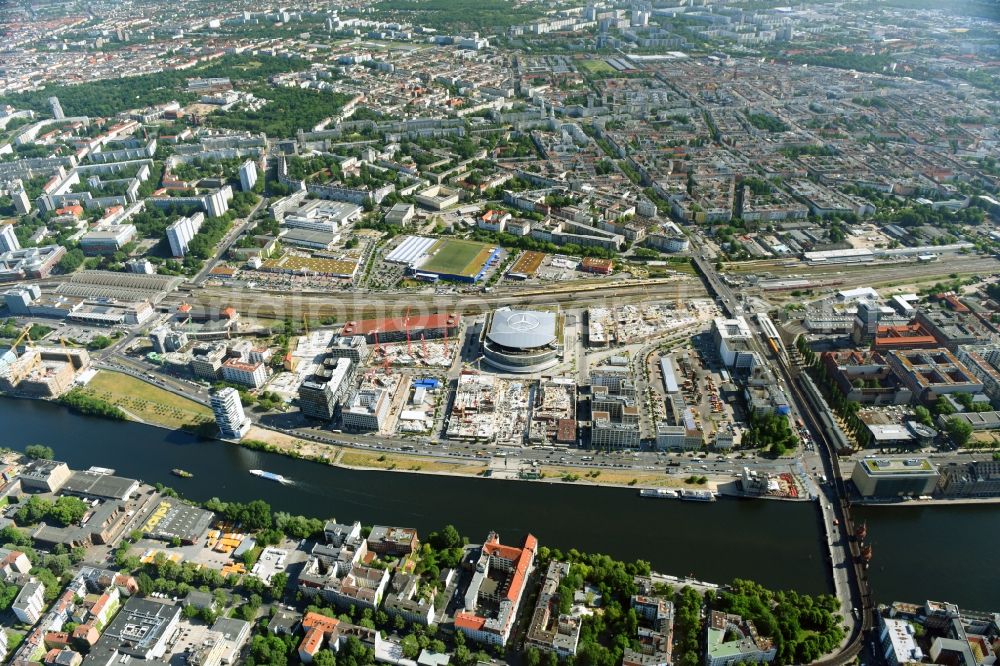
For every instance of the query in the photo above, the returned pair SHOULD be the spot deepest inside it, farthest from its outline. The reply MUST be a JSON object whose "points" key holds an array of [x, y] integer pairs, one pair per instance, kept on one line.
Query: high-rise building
{"points": [[248, 175], [8, 239], [22, 204], [180, 233], [232, 421], [57, 111]]}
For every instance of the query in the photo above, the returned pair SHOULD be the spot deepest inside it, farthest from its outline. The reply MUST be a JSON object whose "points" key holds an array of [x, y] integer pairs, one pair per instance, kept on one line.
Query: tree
{"points": [[68, 510], [324, 658], [959, 430], [410, 646], [446, 539], [923, 415], [39, 452], [278, 582]]}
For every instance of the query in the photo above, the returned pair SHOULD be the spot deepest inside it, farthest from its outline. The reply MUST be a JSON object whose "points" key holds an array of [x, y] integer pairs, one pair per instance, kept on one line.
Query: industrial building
{"points": [[894, 478], [523, 341]]}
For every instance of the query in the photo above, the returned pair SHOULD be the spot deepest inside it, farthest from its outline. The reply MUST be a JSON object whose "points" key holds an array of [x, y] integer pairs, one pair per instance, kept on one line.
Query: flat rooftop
{"points": [[897, 466]]}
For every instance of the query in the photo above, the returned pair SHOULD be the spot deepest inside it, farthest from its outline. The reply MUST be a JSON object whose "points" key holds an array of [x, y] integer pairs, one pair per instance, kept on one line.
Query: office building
{"points": [[107, 239], [367, 409], [248, 175], [733, 338], [8, 239], [321, 394], [931, 373], [894, 477], [251, 375], [167, 340], [393, 541], [229, 415], [206, 360], [353, 347], [396, 329], [180, 233], [898, 642], [979, 478]]}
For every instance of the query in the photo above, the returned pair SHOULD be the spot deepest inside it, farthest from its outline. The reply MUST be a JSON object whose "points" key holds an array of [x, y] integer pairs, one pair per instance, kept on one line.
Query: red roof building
{"points": [[911, 336], [496, 589], [394, 329]]}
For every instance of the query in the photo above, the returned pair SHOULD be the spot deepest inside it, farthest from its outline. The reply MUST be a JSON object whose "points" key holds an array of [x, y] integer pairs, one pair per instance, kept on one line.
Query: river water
{"points": [[775, 543]]}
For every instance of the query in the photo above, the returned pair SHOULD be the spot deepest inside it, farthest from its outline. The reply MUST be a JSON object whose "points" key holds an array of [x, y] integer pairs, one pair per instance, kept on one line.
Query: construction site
{"points": [[41, 371], [634, 323], [487, 408]]}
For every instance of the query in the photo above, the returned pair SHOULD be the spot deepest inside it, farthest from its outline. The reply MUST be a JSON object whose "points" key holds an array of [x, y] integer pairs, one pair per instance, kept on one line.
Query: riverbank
{"points": [[352, 458], [937, 501]]}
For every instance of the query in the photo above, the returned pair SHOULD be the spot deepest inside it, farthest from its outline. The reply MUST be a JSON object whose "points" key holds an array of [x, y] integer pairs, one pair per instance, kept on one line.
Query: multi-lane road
{"points": [[849, 577]]}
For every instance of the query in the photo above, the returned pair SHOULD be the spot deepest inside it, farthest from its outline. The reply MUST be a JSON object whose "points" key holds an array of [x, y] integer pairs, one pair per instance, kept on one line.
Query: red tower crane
{"points": [[406, 325]]}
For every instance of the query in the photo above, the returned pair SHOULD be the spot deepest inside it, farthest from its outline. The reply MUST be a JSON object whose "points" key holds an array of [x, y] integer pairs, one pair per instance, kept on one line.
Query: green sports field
{"points": [[596, 67], [457, 257]]}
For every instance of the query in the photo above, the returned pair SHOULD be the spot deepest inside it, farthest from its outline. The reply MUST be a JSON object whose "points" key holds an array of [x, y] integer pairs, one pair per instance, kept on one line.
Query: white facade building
{"points": [[248, 175], [30, 602], [180, 233], [252, 375], [229, 415], [8, 239]]}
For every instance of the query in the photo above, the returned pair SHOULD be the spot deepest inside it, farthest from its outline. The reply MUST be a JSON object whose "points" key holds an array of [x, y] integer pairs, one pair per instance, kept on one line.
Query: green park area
{"points": [[145, 401]]}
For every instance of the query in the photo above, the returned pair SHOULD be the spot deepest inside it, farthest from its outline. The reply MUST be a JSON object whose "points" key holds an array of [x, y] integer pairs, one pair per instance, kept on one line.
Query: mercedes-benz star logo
{"points": [[522, 321]]}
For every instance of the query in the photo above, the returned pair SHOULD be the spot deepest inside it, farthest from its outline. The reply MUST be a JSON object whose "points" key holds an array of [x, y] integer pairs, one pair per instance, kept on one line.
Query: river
{"points": [[775, 543]]}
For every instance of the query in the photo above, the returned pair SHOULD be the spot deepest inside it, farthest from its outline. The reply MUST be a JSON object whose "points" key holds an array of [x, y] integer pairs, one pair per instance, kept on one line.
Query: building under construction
{"points": [[43, 372]]}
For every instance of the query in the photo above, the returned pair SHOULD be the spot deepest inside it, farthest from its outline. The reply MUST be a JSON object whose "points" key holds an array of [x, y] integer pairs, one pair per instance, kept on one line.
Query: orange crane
{"points": [[24, 334]]}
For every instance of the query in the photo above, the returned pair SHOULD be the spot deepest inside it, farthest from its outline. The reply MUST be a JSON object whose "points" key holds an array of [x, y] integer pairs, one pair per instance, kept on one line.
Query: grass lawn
{"points": [[597, 67], [458, 257], [643, 478], [145, 401], [355, 458]]}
